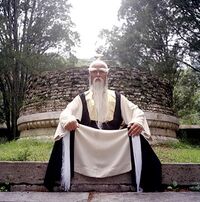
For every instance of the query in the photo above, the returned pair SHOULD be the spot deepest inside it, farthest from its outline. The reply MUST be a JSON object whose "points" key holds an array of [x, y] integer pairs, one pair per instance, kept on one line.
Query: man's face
{"points": [[98, 73]]}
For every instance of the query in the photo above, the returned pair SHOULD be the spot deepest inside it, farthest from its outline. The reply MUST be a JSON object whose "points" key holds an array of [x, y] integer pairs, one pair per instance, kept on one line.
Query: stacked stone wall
{"points": [[51, 91]]}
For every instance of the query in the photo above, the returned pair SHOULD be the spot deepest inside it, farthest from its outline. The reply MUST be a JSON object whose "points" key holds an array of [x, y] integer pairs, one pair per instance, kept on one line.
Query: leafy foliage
{"points": [[158, 36], [186, 22], [2, 118], [29, 29], [187, 97], [52, 61]]}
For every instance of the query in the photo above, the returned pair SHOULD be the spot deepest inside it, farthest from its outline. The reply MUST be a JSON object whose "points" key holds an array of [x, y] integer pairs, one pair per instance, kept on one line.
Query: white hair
{"points": [[98, 62]]}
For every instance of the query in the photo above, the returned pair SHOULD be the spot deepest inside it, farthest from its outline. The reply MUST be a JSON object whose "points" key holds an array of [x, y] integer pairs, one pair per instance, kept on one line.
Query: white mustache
{"points": [[97, 79]]}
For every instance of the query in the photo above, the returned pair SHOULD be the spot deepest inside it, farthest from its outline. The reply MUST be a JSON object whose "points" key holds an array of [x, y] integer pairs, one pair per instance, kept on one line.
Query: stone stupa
{"points": [[49, 93]]}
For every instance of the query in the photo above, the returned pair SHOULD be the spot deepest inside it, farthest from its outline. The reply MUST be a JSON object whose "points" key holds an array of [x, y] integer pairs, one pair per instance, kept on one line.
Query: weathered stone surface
{"points": [[38, 188], [43, 197], [22, 172], [98, 197], [183, 174], [101, 188], [195, 127], [44, 124], [29, 176], [51, 91], [146, 197], [123, 179]]}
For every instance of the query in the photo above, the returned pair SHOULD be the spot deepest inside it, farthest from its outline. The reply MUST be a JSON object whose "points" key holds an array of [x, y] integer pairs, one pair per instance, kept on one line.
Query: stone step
{"points": [[29, 176]]}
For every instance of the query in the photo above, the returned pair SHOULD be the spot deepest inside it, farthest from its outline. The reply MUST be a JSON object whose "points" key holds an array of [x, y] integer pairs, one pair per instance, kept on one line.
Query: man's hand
{"points": [[135, 129], [72, 125]]}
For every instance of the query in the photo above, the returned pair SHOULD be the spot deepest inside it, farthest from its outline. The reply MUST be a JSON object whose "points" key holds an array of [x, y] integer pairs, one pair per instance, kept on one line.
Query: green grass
{"points": [[26, 150], [178, 152], [40, 150]]}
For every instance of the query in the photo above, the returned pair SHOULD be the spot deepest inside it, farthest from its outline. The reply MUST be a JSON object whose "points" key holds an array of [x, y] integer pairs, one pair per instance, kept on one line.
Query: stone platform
{"points": [[163, 127]]}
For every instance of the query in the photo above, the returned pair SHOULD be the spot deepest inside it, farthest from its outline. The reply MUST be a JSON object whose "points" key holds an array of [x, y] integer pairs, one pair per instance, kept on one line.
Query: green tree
{"points": [[28, 30], [2, 118], [145, 40], [187, 97], [185, 20], [158, 36], [50, 61]]}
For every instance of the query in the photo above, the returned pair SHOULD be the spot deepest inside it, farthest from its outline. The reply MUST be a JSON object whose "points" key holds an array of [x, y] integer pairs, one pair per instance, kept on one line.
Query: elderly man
{"points": [[104, 109]]}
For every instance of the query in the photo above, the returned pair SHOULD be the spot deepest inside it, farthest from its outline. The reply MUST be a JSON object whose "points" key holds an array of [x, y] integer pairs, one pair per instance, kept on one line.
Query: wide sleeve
{"points": [[131, 113], [72, 112]]}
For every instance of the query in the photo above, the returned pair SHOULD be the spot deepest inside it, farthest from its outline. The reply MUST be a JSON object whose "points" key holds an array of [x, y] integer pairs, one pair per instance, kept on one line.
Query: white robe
{"points": [[130, 113]]}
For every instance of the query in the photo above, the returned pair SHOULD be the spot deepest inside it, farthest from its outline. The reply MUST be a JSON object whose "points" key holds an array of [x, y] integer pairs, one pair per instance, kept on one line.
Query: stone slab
{"points": [[146, 197], [22, 172], [39, 116], [182, 173], [38, 132], [189, 127], [98, 197], [43, 197]]}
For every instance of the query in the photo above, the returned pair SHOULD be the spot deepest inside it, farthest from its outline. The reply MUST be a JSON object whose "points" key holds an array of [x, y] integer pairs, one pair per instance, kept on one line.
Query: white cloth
{"points": [[101, 153], [66, 169], [137, 153]]}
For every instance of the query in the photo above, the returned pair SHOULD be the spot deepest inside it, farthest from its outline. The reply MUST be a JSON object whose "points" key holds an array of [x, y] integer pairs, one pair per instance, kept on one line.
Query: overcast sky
{"points": [[91, 16]]}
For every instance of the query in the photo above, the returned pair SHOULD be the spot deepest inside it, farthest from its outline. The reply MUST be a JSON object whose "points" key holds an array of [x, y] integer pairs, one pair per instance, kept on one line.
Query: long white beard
{"points": [[99, 89]]}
